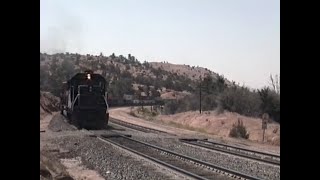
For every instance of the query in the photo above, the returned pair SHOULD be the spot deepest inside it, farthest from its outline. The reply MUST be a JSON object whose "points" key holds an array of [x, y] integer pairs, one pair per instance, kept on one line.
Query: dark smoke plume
{"points": [[64, 36]]}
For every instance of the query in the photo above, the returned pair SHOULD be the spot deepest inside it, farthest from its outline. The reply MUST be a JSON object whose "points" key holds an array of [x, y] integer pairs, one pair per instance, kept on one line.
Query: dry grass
{"points": [[220, 124], [182, 126], [132, 113], [50, 163], [143, 113]]}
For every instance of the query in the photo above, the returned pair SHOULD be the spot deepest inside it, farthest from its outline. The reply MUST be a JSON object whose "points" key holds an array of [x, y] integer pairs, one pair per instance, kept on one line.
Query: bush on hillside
{"points": [[241, 100], [239, 130], [171, 107], [270, 103]]}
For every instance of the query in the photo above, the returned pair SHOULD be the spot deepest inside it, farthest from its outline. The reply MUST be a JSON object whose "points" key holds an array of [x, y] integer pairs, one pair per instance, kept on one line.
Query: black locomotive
{"points": [[84, 102]]}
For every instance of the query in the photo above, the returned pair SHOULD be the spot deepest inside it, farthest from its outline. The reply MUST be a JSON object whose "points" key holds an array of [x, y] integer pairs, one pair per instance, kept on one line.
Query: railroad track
{"points": [[136, 127], [190, 167], [242, 152]]}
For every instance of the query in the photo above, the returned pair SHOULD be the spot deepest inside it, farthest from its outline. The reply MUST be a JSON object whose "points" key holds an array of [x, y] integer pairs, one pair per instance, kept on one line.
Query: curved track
{"points": [[136, 127]]}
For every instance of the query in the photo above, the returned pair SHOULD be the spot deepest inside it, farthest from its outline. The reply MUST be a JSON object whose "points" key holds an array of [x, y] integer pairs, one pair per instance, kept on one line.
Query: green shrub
{"points": [[154, 113], [239, 130], [241, 100], [270, 103], [132, 114]]}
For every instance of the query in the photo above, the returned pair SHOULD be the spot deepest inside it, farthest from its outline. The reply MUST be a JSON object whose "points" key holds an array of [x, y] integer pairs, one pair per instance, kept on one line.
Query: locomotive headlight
{"points": [[88, 76]]}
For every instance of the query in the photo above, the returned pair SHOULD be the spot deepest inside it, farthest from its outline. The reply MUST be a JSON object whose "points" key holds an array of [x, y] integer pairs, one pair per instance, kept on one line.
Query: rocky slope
{"points": [[48, 104]]}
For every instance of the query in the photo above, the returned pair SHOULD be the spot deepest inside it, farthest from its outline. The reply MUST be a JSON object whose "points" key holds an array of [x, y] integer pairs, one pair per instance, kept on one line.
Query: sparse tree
{"points": [[270, 103], [275, 83]]}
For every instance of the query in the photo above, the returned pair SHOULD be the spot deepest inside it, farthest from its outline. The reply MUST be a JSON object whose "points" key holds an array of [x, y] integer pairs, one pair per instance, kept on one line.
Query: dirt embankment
{"points": [[220, 124], [51, 167], [210, 123], [56, 162], [53, 164], [48, 104]]}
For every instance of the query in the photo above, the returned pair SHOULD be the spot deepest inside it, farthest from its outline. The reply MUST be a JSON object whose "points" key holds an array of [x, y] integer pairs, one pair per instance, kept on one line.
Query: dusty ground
{"points": [[53, 166], [192, 124], [77, 171], [123, 114]]}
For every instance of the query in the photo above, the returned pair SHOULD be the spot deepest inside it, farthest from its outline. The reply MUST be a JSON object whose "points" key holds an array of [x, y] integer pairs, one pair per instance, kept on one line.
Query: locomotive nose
{"points": [[83, 99]]}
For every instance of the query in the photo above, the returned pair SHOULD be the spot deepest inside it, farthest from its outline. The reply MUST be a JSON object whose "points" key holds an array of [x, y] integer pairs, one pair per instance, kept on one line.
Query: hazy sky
{"points": [[237, 38]]}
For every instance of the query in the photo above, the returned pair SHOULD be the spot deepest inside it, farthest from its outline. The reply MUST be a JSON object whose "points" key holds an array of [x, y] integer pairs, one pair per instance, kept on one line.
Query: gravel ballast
{"points": [[113, 163], [250, 167], [110, 162], [58, 123]]}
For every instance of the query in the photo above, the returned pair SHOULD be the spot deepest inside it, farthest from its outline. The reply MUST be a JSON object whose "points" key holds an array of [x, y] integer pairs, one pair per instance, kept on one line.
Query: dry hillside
{"points": [[209, 122], [185, 70], [127, 75], [191, 72], [57, 68]]}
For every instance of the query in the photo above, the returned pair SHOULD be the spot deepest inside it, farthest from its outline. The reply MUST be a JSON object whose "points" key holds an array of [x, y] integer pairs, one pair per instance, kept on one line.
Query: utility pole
{"points": [[200, 94], [265, 118]]}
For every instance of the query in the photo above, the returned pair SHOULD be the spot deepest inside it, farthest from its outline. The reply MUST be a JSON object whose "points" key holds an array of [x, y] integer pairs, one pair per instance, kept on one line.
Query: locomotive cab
{"points": [[85, 102]]}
